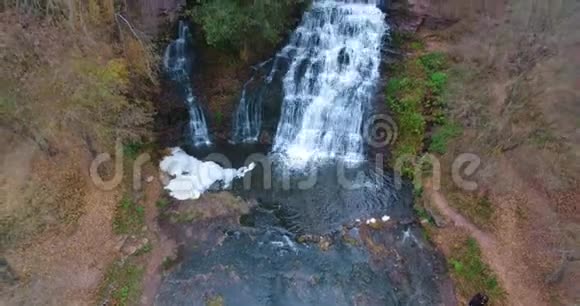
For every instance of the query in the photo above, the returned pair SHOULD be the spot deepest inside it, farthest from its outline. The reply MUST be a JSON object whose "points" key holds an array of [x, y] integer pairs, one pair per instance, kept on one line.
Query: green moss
{"points": [[471, 274], [219, 118], [122, 284], [129, 217]]}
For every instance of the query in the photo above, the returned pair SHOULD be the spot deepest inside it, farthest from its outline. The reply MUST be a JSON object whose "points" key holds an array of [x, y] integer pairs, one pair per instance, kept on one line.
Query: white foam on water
{"points": [[193, 177]]}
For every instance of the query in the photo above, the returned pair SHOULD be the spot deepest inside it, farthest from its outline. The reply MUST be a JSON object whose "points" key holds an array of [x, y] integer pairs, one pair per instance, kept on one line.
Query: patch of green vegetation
{"points": [[185, 216], [129, 217], [471, 274], [217, 300], [122, 284], [400, 40], [168, 263], [219, 118], [162, 203], [433, 62], [422, 213], [235, 25], [542, 138], [437, 82], [414, 96], [144, 249], [442, 135], [478, 210], [417, 45], [132, 150]]}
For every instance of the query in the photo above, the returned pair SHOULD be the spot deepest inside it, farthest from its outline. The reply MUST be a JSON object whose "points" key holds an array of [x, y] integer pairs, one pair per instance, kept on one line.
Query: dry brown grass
{"points": [[514, 87], [55, 78]]}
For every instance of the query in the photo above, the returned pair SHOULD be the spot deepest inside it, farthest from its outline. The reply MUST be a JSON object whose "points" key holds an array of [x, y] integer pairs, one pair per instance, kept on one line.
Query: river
{"points": [[305, 242]]}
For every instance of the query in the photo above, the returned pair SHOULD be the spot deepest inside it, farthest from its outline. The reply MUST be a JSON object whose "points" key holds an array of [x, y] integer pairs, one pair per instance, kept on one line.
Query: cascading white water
{"points": [[248, 118], [334, 67], [178, 65]]}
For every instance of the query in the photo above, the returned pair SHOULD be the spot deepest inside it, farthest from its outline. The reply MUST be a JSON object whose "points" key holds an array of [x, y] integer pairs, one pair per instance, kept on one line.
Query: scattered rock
{"points": [[437, 218], [7, 275], [556, 276], [150, 179], [324, 243], [120, 242], [132, 245], [307, 238]]}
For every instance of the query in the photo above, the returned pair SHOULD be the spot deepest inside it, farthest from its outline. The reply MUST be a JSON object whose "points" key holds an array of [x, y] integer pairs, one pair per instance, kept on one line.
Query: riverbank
{"points": [[524, 212]]}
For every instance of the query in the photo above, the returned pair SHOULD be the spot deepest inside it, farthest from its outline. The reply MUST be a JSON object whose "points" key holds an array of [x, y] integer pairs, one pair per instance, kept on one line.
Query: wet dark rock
{"points": [[7, 275], [479, 299], [439, 220]]}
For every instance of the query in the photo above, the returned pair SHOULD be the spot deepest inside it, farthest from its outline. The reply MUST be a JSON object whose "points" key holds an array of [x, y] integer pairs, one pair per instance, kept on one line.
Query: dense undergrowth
{"points": [[75, 69], [417, 95], [245, 27], [76, 78], [416, 98], [472, 275], [122, 283]]}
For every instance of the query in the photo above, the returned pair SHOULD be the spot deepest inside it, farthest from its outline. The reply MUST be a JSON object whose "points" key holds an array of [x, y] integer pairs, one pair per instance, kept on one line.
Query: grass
{"points": [[415, 97], [132, 150], [129, 217], [122, 284], [162, 203], [443, 135], [144, 250], [471, 274], [478, 210]]}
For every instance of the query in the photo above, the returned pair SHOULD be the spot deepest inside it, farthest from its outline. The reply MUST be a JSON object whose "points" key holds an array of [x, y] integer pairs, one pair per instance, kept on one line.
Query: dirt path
{"points": [[163, 246], [505, 264]]}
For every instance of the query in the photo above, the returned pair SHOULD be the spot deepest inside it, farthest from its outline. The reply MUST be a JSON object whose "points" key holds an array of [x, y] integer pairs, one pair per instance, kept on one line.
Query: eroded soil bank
{"points": [[513, 89]]}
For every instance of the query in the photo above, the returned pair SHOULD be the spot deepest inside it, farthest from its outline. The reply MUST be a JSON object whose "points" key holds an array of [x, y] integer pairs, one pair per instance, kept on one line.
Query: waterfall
{"points": [[248, 118], [177, 62], [333, 67]]}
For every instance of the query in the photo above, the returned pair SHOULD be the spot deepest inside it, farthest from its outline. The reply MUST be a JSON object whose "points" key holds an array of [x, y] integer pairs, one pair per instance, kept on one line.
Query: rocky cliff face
{"points": [[149, 15]]}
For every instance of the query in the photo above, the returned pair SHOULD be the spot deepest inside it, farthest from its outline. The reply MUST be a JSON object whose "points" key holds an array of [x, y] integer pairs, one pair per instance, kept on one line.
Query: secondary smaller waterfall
{"points": [[248, 117], [177, 62]]}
